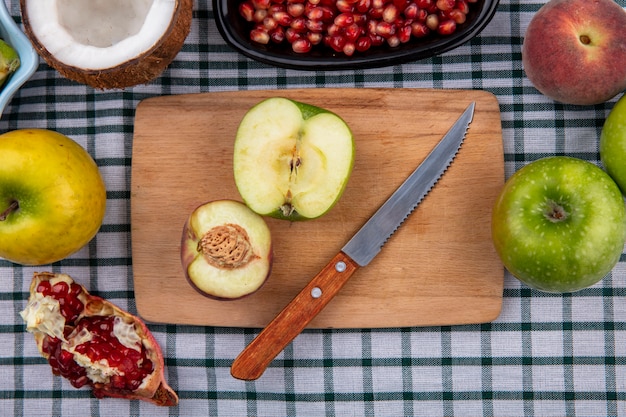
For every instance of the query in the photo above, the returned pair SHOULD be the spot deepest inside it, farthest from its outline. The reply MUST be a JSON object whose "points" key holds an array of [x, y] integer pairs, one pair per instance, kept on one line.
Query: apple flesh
{"points": [[292, 160], [559, 224], [226, 250], [52, 196], [613, 144], [574, 51]]}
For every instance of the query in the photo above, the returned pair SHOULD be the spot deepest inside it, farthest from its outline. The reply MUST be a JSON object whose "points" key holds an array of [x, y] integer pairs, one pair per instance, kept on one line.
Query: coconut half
{"points": [[107, 43]]}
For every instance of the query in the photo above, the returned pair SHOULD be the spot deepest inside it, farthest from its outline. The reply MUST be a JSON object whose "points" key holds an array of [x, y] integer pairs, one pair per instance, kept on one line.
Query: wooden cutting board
{"points": [[439, 268]]}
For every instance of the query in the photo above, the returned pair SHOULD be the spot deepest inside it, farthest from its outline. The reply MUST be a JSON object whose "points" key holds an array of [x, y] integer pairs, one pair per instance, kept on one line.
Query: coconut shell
{"points": [[140, 70]]}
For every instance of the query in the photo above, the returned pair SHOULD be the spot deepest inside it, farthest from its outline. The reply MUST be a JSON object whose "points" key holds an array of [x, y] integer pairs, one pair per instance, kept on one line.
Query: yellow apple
{"points": [[52, 196]]}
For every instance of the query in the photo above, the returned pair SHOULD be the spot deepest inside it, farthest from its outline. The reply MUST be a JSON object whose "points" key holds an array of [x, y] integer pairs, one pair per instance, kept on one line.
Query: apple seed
{"points": [[12, 207], [226, 246]]}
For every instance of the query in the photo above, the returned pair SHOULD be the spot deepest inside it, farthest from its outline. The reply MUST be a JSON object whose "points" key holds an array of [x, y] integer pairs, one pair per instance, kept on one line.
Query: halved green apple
{"points": [[226, 250], [292, 160]]}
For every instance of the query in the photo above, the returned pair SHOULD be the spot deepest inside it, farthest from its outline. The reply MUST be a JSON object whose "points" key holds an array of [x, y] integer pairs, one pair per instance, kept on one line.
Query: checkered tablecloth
{"points": [[545, 355]]}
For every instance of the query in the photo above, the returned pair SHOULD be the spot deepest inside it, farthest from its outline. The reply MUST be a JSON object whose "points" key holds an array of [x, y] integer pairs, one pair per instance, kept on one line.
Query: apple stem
{"points": [[12, 207]]}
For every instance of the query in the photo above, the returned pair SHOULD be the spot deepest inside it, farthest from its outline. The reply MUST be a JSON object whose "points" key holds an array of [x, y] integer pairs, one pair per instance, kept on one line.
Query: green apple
{"points": [[559, 224], [9, 61], [292, 160], [52, 196], [613, 144], [226, 250]]}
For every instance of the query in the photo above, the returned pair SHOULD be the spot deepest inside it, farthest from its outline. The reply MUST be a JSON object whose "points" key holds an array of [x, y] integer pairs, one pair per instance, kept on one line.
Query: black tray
{"points": [[235, 31]]}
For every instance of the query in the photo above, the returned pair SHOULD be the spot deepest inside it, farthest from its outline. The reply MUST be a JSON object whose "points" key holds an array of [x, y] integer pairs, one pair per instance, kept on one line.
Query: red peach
{"points": [[574, 51]]}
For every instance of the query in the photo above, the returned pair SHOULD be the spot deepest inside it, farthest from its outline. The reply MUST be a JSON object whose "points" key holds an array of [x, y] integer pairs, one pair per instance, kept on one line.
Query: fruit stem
{"points": [[12, 207]]}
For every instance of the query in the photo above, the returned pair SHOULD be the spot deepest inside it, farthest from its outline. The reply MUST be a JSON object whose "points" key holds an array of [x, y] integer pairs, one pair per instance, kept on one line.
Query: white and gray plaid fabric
{"points": [[546, 355]]}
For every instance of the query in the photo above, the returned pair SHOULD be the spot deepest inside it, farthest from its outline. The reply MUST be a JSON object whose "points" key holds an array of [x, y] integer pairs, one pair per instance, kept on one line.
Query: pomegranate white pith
{"points": [[92, 342], [349, 26]]}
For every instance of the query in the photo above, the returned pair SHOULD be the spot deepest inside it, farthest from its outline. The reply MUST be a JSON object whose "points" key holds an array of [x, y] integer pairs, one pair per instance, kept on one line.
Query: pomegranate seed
{"points": [[295, 9], [315, 37], [344, 6], [353, 32], [333, 30], [371, 26], [445, 4], [425, 4], [376, 13], [344, 19], [404, 34], [457, 15], [385, 29], [463, 6], [315, 25], [360, 19], [259, 36], [261, 4], [81, 381], [282, 18], [432, 21], [316, 13], [377, 40], [259, 15], [275, 8], [75, 289], [390, 13], [446, 27], [411, 11], [269, 24], [337, 43], [363, 44], [277, 35], [301, 46], [60, 288], [349, 48], [298, 24], [246, 10], [393, 41], [43, 287], [292, 35], [378, 4], [362, 6]]}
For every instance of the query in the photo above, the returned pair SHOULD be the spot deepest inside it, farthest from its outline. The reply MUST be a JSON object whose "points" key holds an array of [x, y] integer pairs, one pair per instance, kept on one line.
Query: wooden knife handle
{"points": [[252, 361]]}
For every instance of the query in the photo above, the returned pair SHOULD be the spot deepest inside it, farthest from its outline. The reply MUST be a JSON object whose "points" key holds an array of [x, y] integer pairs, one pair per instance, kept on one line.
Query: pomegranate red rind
{"points": [[90, 341]]}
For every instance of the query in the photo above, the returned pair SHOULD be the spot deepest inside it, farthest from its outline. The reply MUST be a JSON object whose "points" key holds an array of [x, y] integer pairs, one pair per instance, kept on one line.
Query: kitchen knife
{"points": [[358, 252]]}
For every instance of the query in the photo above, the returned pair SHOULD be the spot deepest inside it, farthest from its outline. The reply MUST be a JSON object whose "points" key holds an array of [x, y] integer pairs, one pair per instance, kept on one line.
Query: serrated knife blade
{"points": [[358, 252], [369, 240]]}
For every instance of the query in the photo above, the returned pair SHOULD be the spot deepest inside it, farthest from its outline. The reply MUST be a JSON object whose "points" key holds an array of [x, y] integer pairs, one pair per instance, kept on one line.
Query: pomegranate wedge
{"points": [[91, 342]]}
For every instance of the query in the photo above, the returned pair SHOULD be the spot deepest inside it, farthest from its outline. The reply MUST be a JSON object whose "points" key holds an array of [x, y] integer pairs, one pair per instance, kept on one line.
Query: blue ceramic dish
{"points": [[236, 32], [29, 60]]}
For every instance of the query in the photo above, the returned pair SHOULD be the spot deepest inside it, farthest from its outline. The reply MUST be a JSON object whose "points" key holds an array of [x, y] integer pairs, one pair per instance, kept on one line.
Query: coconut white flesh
{"points": [[99, 34]]}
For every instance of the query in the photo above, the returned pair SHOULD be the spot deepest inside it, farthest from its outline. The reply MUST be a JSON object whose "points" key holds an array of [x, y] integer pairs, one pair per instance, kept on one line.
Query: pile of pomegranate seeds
{"points": [[102, 347], [347, 26]]}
